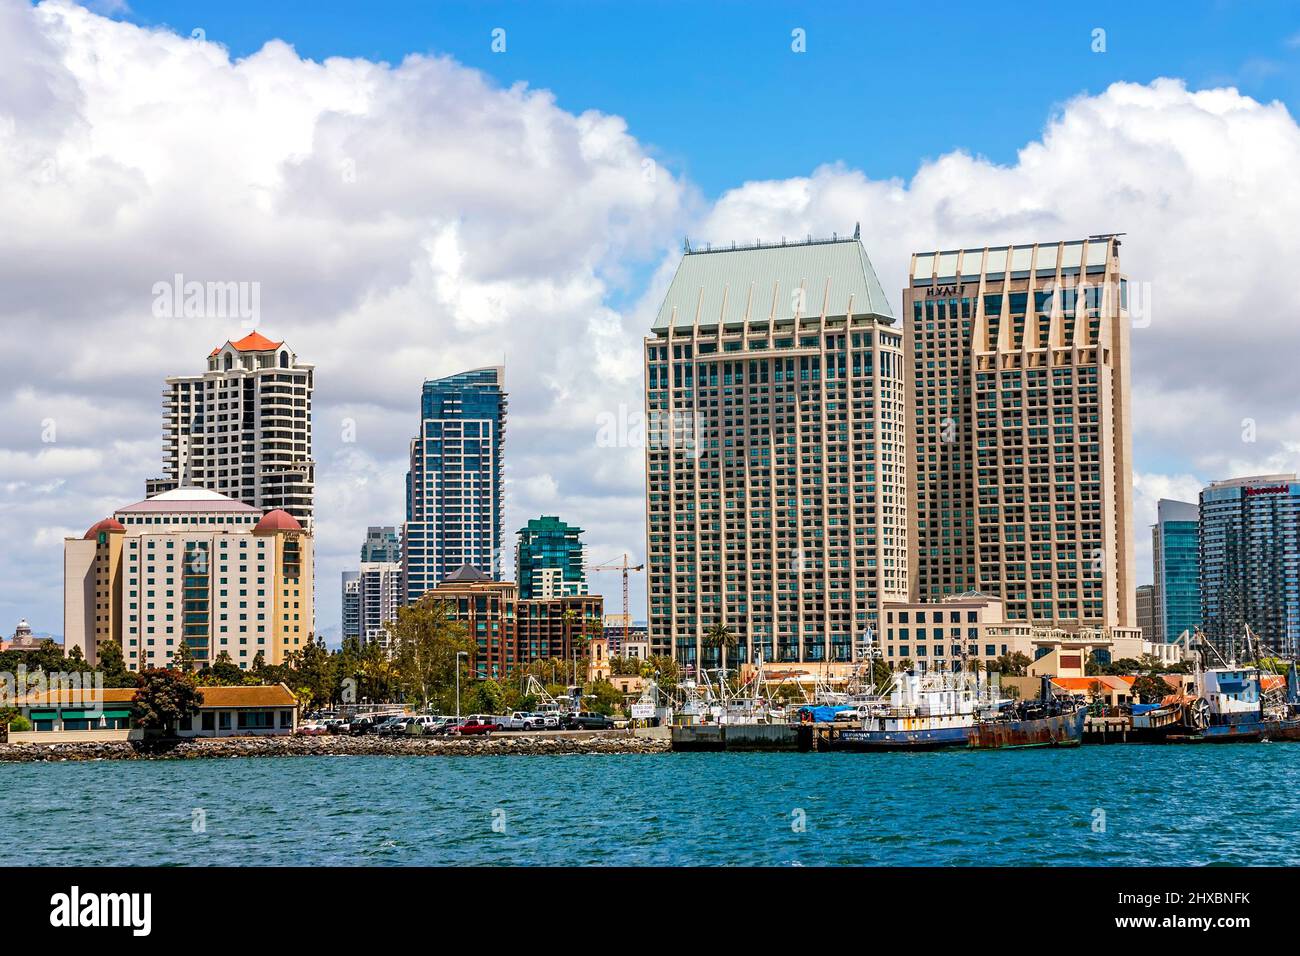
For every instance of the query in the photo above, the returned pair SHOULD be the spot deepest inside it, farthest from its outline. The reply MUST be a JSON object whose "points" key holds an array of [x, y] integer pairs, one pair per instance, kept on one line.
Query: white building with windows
{"points": [[243, 428], [190, 566]]}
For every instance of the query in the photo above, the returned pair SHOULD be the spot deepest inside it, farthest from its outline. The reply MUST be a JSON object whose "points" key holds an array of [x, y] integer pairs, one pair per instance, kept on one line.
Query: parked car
{"points": [[421, 724], [546, 720], [586, 720], [312, 728], [337, 725], [478, 724], [393, 725], [443, 725], [525, 720]]}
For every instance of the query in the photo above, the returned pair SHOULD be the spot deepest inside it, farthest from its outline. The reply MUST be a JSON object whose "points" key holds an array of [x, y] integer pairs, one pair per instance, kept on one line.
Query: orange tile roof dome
{"points": [[108, 524], [252, 342], [277, 520]]}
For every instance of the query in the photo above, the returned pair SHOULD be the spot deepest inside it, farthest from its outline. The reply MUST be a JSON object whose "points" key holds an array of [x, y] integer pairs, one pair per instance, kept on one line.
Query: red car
{"points": [[478, 724]]}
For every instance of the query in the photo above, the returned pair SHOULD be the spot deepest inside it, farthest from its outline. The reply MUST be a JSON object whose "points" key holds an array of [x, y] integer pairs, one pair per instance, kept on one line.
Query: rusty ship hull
{"points": [[1058, 730]]}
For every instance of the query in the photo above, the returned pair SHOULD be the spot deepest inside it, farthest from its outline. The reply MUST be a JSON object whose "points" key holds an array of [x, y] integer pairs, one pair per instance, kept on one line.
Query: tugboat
{"points": [[940, 711]]}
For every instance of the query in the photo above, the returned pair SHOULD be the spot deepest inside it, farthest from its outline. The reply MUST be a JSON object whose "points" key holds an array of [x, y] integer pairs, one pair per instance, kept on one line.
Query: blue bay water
{"points": [[1226, 805]]}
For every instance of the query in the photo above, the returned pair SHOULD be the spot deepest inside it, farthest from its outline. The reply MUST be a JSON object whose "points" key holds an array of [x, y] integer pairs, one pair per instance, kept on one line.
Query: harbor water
{"points": [[1117, 806]]}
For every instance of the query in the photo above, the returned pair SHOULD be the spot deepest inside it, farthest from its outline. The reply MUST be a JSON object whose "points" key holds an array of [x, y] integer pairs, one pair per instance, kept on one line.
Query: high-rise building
{"points": [[1020, 430], [351, 582], [381, 544], [550, 560], [193, 566], [1175, 556], [1250, 563], [456, 483], [243, 428], [776, 492], [379, 595], [1146, 611]]}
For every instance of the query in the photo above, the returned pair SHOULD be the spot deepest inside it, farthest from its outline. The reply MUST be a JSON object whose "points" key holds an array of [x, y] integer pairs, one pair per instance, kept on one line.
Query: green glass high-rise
{"points": [[550, 559], [1175, 551]]}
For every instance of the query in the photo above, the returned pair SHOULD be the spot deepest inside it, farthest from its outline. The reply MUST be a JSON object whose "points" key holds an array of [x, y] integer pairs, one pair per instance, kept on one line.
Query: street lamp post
{"points": [[459, 655]]}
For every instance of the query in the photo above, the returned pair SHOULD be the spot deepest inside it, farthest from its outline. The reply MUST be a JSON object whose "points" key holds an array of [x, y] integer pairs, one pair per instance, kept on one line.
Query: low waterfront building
{"points": [[110, 713], [194, 566], [950, 634]]}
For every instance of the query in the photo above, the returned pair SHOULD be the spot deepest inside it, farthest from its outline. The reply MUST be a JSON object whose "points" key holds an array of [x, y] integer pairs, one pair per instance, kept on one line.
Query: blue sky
{"points": [[713, 90]]}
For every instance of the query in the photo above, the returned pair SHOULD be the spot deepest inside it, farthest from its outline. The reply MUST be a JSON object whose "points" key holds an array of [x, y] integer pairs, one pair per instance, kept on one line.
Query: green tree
{"points": [[111, 663], [224, 673], [1150, 688], [426, 639], [1012, 665], [183, 658], [20, 724], [164, 698], [606, 698], [486, 697]]}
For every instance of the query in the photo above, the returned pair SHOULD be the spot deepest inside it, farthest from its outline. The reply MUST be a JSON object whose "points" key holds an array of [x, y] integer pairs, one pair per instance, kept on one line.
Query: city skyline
{"points": [[379, 308]]}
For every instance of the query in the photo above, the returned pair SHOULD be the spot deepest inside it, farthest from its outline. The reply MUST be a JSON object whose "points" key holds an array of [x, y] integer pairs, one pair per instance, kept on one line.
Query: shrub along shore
{"points": [[336, 746]]}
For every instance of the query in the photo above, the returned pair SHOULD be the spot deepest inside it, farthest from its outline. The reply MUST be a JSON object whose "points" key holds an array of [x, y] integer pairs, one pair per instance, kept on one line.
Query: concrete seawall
{"points": [[338, 746]]}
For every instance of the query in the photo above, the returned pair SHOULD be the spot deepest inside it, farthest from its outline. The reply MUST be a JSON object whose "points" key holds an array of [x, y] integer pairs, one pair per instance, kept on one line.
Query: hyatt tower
{"points": [[1021, 439]]}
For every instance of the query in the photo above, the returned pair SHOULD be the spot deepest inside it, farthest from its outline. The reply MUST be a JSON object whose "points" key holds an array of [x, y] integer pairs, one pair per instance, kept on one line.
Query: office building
{"points": [[1020, 430], [550, 560], [455, 485], [776, 498], [243, 428], [194, 566], [1250, 563], [509, 632], [1146, 611], [351, 582], [379, 595], [382, 545], [1175, 553]]}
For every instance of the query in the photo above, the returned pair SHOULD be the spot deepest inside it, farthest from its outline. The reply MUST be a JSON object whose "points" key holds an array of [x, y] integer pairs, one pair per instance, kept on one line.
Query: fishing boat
{"points": [[938, 711], [1232, 704]]}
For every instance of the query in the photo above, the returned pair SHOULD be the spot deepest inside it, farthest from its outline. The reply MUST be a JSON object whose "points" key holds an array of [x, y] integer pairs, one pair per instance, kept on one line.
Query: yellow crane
{"points": [[625, 567]]}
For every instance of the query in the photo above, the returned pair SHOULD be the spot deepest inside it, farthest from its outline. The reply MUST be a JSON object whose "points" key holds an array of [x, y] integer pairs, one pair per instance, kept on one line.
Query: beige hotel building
{"points": [[189, 565], [1021, 435], [776, 493]]}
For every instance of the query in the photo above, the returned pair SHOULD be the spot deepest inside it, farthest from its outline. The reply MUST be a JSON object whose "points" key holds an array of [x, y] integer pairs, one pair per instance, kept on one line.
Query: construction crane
{"points": [[625, 567]]}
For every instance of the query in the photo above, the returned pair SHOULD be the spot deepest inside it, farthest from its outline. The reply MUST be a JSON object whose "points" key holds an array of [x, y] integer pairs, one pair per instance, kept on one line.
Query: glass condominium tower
{"points": [[455, 485], [1250, 563], [1176, 562], [550, 561], [776, 499], [1020, 430]]}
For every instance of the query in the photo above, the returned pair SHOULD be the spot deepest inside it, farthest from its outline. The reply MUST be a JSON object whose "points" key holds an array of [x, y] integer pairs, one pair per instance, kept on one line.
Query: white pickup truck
{"points": [[526, 720]]}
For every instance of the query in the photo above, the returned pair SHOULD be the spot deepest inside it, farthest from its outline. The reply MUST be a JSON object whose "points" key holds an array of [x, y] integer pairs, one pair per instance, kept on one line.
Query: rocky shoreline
{"points": [[335, 746]]}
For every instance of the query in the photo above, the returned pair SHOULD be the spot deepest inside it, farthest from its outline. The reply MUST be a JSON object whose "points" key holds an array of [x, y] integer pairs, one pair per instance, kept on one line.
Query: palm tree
{"points": [[719, 635], [570, 617]]}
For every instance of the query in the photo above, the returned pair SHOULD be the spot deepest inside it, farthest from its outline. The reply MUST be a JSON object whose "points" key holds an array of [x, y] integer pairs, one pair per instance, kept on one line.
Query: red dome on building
{"points": [[277, 520], [108, 524]]}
